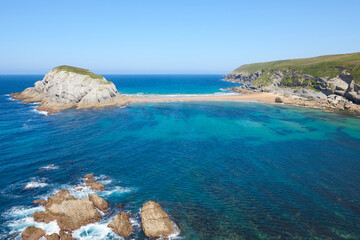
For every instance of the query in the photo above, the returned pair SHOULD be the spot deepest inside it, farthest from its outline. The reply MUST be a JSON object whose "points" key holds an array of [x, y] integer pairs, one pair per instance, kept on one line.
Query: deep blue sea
{"points": [[221, 170]]}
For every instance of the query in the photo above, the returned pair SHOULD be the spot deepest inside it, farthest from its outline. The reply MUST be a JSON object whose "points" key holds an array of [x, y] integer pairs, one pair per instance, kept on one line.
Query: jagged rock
{"points": [[59, 197], [155, 221], [32, 233], [69, 212], [120, 205], [96, 186], [53, 236], [99, 202], [65, 236], [90, 175], [40, 202], [66, 87], [122, 225]]}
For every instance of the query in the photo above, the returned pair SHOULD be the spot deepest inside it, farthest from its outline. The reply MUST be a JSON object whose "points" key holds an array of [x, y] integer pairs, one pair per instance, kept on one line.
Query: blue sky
{"points": [[169, 36]]}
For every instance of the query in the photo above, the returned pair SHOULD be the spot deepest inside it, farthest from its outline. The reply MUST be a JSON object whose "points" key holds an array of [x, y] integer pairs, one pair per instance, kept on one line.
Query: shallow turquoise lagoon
{"points": [[222, 170]]}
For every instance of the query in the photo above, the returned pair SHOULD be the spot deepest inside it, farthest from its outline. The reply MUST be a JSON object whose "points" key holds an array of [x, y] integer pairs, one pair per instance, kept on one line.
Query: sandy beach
{"points": [[259, 97]]}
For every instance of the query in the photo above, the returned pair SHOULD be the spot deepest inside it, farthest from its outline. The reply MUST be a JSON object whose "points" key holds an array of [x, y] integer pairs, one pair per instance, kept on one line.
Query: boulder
{"points": [[155, 221], [32, 233], [99, 202], [90, 175], [96, 186], [122, 225], [278, 100], [53, 236], [65, 236], [40, 202], [120, 205]]}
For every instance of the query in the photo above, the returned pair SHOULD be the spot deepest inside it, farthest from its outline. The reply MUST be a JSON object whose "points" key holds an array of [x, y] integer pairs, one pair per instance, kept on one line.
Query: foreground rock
{"points": [[32, 233], [65, 236], [53, 236], [69, 212], [122, 225], [40, 202], [67, 87], [155, 221], [99, 202]]}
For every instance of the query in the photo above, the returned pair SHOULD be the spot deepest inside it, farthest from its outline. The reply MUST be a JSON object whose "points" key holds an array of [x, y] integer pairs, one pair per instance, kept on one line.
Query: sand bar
{"points": [[259, 97]]}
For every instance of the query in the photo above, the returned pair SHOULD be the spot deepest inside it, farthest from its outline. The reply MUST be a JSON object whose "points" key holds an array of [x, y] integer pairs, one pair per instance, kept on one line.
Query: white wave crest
{"points": [[34, 184], [49, 167], [20, 212], [95, 231]]}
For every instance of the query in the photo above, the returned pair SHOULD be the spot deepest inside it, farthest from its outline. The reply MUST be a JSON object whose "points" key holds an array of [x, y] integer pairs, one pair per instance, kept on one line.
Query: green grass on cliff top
{"points": [[322, 66], [78, 71]]}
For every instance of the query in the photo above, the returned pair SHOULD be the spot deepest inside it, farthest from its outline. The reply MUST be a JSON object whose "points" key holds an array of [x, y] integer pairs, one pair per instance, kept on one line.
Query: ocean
{"points": [[221, 170]]}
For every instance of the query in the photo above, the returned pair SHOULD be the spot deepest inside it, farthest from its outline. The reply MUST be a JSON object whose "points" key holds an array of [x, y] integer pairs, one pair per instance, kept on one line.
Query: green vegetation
{"points": [[263, 80], [80, 71], [322, 66]]}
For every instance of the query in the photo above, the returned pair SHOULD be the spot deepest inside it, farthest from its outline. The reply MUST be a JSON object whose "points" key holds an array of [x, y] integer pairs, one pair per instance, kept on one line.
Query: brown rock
{"points": [[155, 221], [58, 198], [65, 236], [97, 186], [99, 202], [69, 212], [32, 233], [53, 236], [79, 189], [120, 205], [40, 202], [122, 225], [89, 175]]}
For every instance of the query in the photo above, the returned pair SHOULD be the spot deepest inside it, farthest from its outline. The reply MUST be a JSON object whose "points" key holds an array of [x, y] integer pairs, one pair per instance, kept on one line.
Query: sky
{"points": [[171, 36]]}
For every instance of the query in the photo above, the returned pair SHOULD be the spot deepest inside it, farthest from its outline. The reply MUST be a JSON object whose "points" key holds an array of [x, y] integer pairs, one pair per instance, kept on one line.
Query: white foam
{"points": [[31, 185], [49, 167], [19, 225], [116, 191], [95, 231], [20, 212]]}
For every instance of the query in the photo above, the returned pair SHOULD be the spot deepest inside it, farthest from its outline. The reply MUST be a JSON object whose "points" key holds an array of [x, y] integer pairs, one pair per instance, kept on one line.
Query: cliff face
{"points": [[66, 87]]}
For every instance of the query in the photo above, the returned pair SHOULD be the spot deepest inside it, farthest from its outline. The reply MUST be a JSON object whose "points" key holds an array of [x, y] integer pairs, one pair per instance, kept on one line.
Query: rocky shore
{"points": [[340, 92], [67, 87], [71, 213]]}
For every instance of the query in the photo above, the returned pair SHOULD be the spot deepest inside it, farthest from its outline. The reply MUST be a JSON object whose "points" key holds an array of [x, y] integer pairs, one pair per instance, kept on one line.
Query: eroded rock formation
{"points": [[121, 224]]}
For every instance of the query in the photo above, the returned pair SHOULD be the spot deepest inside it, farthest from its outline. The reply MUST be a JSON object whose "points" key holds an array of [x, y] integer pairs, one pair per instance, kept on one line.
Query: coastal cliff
{"points": [[331, 81], [67, 87]]}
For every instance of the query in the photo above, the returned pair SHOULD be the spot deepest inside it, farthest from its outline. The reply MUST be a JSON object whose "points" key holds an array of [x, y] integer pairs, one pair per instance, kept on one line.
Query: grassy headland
{"points": [[322, 66], [78, 71]]}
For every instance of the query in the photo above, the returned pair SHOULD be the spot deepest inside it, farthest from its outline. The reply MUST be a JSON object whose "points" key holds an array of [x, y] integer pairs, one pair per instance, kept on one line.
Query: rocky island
{"points": [[331, 81], [67, 87]]}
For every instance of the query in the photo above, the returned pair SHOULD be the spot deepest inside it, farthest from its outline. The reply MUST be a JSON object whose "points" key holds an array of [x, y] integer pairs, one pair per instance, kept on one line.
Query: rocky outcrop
{"points": [[69, 212], [90, 181], [67, 87], [122, 225], [53, 236], [32, 233], [39, 202], [155, 221], [303, 89], [99, 202], [65, 236]]}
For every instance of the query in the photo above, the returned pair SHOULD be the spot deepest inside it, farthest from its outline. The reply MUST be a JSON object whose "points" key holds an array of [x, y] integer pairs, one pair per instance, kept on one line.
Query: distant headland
{"points": [[331, 81]]}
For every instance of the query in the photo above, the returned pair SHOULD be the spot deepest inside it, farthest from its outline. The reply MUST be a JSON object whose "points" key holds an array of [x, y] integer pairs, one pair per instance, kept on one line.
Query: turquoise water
{"points": [[222, 170]]}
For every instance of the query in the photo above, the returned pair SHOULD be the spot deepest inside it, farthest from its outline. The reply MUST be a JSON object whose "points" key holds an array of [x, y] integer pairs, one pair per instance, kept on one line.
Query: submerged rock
{"points": [[66, 87], [99, 202], [122, 225], [32, 233], [155, 221]]}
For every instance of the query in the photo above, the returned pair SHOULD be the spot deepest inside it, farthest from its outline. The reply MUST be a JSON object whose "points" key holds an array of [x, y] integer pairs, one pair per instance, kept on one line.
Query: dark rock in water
{"points": [[32, 233], [65, 236], [278, 100], [40, 202], [53, 236], [155, 221], [90, 175], [99, 202], [120, 206], [122, 225]]}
